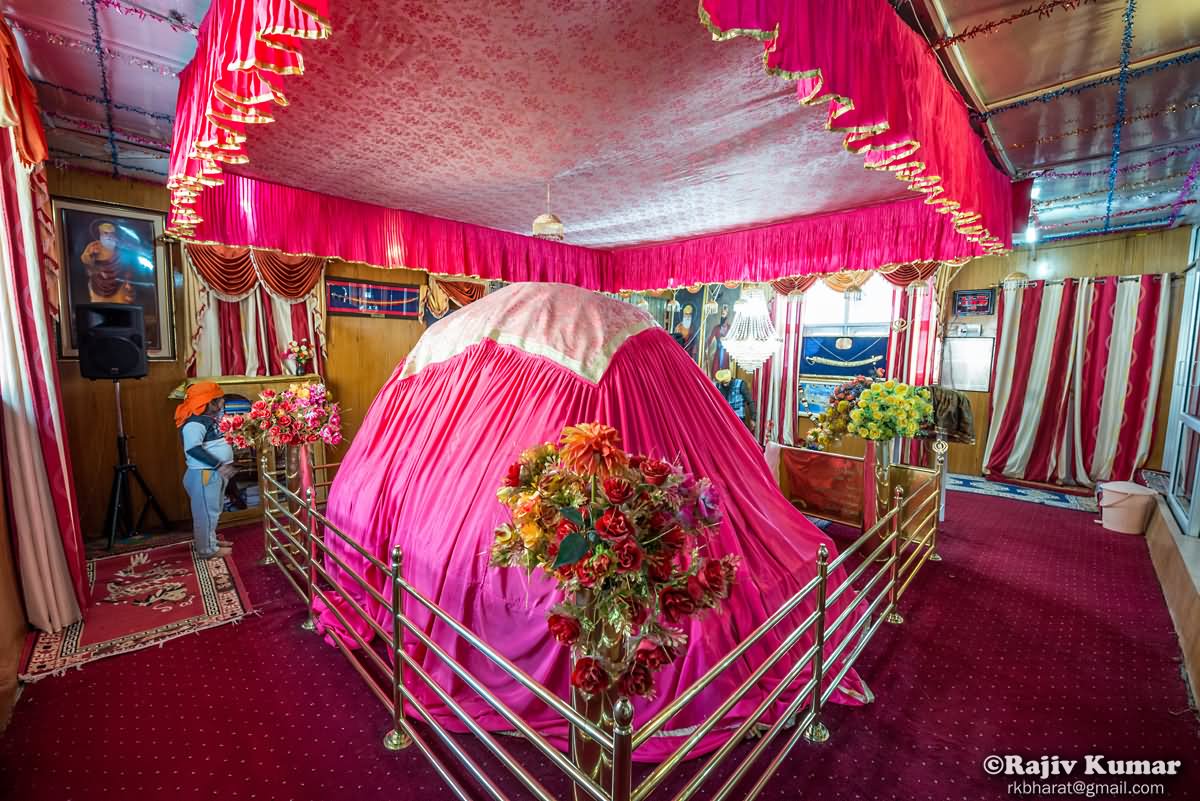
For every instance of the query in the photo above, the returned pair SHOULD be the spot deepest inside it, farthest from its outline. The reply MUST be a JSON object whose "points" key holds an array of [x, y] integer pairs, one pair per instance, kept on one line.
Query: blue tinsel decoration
{"points": [[1109, 229], [1122, 85], [104, 95], [121, 106], [1186, 58]]}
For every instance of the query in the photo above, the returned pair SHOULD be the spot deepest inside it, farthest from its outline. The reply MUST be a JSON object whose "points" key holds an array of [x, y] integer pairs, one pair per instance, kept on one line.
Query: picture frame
{"points": [[813, 396], [114, 254], [354, 297], [975, 302], [841, 358]]}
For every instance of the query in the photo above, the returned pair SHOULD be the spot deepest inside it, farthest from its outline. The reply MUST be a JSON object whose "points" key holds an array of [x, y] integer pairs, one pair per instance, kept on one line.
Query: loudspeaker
{"points": [[112, 340]]}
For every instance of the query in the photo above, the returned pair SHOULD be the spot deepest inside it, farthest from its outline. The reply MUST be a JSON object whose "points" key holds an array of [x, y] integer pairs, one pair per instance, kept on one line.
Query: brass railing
{"points": [[305, 544]]}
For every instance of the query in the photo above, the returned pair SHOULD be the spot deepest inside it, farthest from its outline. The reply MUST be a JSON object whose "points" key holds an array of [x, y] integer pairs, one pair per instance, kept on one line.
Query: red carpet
{"points": [[1040, 634], [140, 599]]}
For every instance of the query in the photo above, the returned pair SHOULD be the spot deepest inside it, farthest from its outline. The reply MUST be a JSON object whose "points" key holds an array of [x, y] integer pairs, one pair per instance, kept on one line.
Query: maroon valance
{"points": [[235, 272]]}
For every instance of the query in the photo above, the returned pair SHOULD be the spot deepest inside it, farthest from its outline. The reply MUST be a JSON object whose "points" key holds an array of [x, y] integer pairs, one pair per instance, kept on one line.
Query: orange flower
{"points": [[592, 449]]}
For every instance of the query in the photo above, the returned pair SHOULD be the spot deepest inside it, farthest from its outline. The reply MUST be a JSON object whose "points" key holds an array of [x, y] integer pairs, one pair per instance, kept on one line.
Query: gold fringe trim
{"points": [[898, 153]]}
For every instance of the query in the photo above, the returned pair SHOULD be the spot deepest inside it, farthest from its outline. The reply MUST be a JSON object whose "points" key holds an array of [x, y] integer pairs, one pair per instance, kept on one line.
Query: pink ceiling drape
{"points": [[885, 93]]}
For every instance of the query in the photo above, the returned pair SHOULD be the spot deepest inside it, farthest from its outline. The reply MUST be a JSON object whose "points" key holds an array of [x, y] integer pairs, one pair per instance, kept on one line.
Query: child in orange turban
{"points": [[209, 461]]}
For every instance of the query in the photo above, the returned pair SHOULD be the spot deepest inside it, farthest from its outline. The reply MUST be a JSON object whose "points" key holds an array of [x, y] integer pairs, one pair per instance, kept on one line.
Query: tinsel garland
{"points": [[1043, 9], [1054, 94], [1149, 115], [176, 20], [127, 137], [1170, 154], [1107, 215], [1054, 201], [1189, 184], [60, 157], [104, 93], [38, 35], [1122, 86], [154, 115], [1137, 226], [1086, 203]]}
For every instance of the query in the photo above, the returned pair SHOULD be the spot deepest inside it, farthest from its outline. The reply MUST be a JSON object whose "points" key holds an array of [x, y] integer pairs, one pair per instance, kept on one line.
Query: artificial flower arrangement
{"points": [[300, 414], [874, 409], [300, 352], [624, 537]]}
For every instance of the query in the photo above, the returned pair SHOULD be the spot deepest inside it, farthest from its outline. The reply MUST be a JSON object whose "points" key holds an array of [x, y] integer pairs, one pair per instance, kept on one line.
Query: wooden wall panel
{"points": [[1161, 252], [89, 406], [364, 351]]}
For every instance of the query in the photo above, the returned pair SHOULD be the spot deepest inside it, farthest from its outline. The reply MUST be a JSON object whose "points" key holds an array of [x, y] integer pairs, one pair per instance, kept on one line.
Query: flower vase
{"points": [[586, 753], [877, 484]]}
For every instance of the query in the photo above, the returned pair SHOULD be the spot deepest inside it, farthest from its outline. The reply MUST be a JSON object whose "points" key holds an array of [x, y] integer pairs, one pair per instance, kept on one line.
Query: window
{"points": [[1182, 458], [830, 313]]}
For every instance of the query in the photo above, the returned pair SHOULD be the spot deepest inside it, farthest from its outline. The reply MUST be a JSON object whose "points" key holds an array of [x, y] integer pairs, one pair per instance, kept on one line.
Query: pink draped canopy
{"points": [[842, 62]]}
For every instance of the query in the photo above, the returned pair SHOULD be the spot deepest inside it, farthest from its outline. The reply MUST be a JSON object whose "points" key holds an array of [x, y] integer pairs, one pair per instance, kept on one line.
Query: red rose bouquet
{"points": [[625, 538], [298, 415]]}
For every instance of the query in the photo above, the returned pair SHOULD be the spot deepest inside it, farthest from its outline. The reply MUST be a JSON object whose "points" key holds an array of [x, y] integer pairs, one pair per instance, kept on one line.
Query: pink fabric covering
{"points": [[422, 473], [246, 211]]}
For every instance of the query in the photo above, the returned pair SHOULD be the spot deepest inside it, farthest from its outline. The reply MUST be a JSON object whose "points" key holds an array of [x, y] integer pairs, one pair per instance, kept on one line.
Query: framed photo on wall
{"points": [[114, 254], [353, 297]]}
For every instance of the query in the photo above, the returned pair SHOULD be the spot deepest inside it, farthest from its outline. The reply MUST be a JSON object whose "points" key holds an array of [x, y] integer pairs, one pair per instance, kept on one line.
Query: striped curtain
{"points": [[44, 518], [248, 335], [777, 395], [1077, 374]]}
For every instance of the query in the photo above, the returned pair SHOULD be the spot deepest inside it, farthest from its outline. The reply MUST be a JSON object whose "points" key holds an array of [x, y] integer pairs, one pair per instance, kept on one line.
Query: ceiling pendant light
{"points": [[548, 226], [752, 338]]}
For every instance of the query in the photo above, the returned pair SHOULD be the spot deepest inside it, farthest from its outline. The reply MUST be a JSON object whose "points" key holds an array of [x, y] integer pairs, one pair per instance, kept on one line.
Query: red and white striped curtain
{"points": [[1076, 379], [37, 475], [247, 334], [914, 347], [778, 379]]}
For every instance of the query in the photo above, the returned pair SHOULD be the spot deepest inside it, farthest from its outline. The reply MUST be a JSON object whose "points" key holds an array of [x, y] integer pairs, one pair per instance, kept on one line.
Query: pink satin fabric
{"points": [[422, 474], [901, 114], [247, 211]]}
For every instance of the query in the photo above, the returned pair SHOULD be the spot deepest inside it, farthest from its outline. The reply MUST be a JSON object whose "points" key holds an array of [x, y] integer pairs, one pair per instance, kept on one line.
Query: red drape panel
{"points": [[18, 102], [234, 272], [1139, 397], [233, 349], [1055, 406], [462, 292], [1009, 423], [1095, 365], [226, 270]]}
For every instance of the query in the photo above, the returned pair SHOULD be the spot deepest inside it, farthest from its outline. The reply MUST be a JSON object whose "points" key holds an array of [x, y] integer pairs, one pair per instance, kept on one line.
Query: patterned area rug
{"points": [[138, 600], [1046, 497]]}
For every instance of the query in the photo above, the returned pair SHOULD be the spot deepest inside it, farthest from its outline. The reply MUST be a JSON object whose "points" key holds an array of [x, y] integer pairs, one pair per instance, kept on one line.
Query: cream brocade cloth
{"points": [[563, 323]]}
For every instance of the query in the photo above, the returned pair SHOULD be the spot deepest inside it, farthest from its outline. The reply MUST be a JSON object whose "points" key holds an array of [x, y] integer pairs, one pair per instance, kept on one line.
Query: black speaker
{"points": [[112, 340]]}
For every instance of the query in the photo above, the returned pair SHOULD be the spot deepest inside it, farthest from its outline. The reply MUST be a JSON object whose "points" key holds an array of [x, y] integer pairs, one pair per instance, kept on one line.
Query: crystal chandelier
{"points": [[752, 338]]}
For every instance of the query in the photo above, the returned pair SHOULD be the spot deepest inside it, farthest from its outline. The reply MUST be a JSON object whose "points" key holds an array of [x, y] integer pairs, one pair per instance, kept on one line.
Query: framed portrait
{"points": [[813, 396], [113, 254]]}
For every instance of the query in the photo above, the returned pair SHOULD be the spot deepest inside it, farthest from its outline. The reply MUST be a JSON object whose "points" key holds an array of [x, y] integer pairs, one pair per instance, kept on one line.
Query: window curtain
{"points": [[1077, 374], [43, 516], [247, 305], [913, 346]]}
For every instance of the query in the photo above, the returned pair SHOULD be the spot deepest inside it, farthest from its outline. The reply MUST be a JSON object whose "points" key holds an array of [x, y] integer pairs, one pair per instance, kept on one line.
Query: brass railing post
{"points": [[940, 447], [311, 545], [622, 759], [397, 738], [893, 614], [817, 732], [263, 489]]}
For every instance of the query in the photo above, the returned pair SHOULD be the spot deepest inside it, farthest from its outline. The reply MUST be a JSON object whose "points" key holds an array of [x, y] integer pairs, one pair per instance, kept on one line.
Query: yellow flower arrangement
{"points": [[872, 409]]}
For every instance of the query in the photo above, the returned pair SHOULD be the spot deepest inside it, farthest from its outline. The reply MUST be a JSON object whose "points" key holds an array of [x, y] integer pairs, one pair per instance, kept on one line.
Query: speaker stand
{"points": [[120, 500]]}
